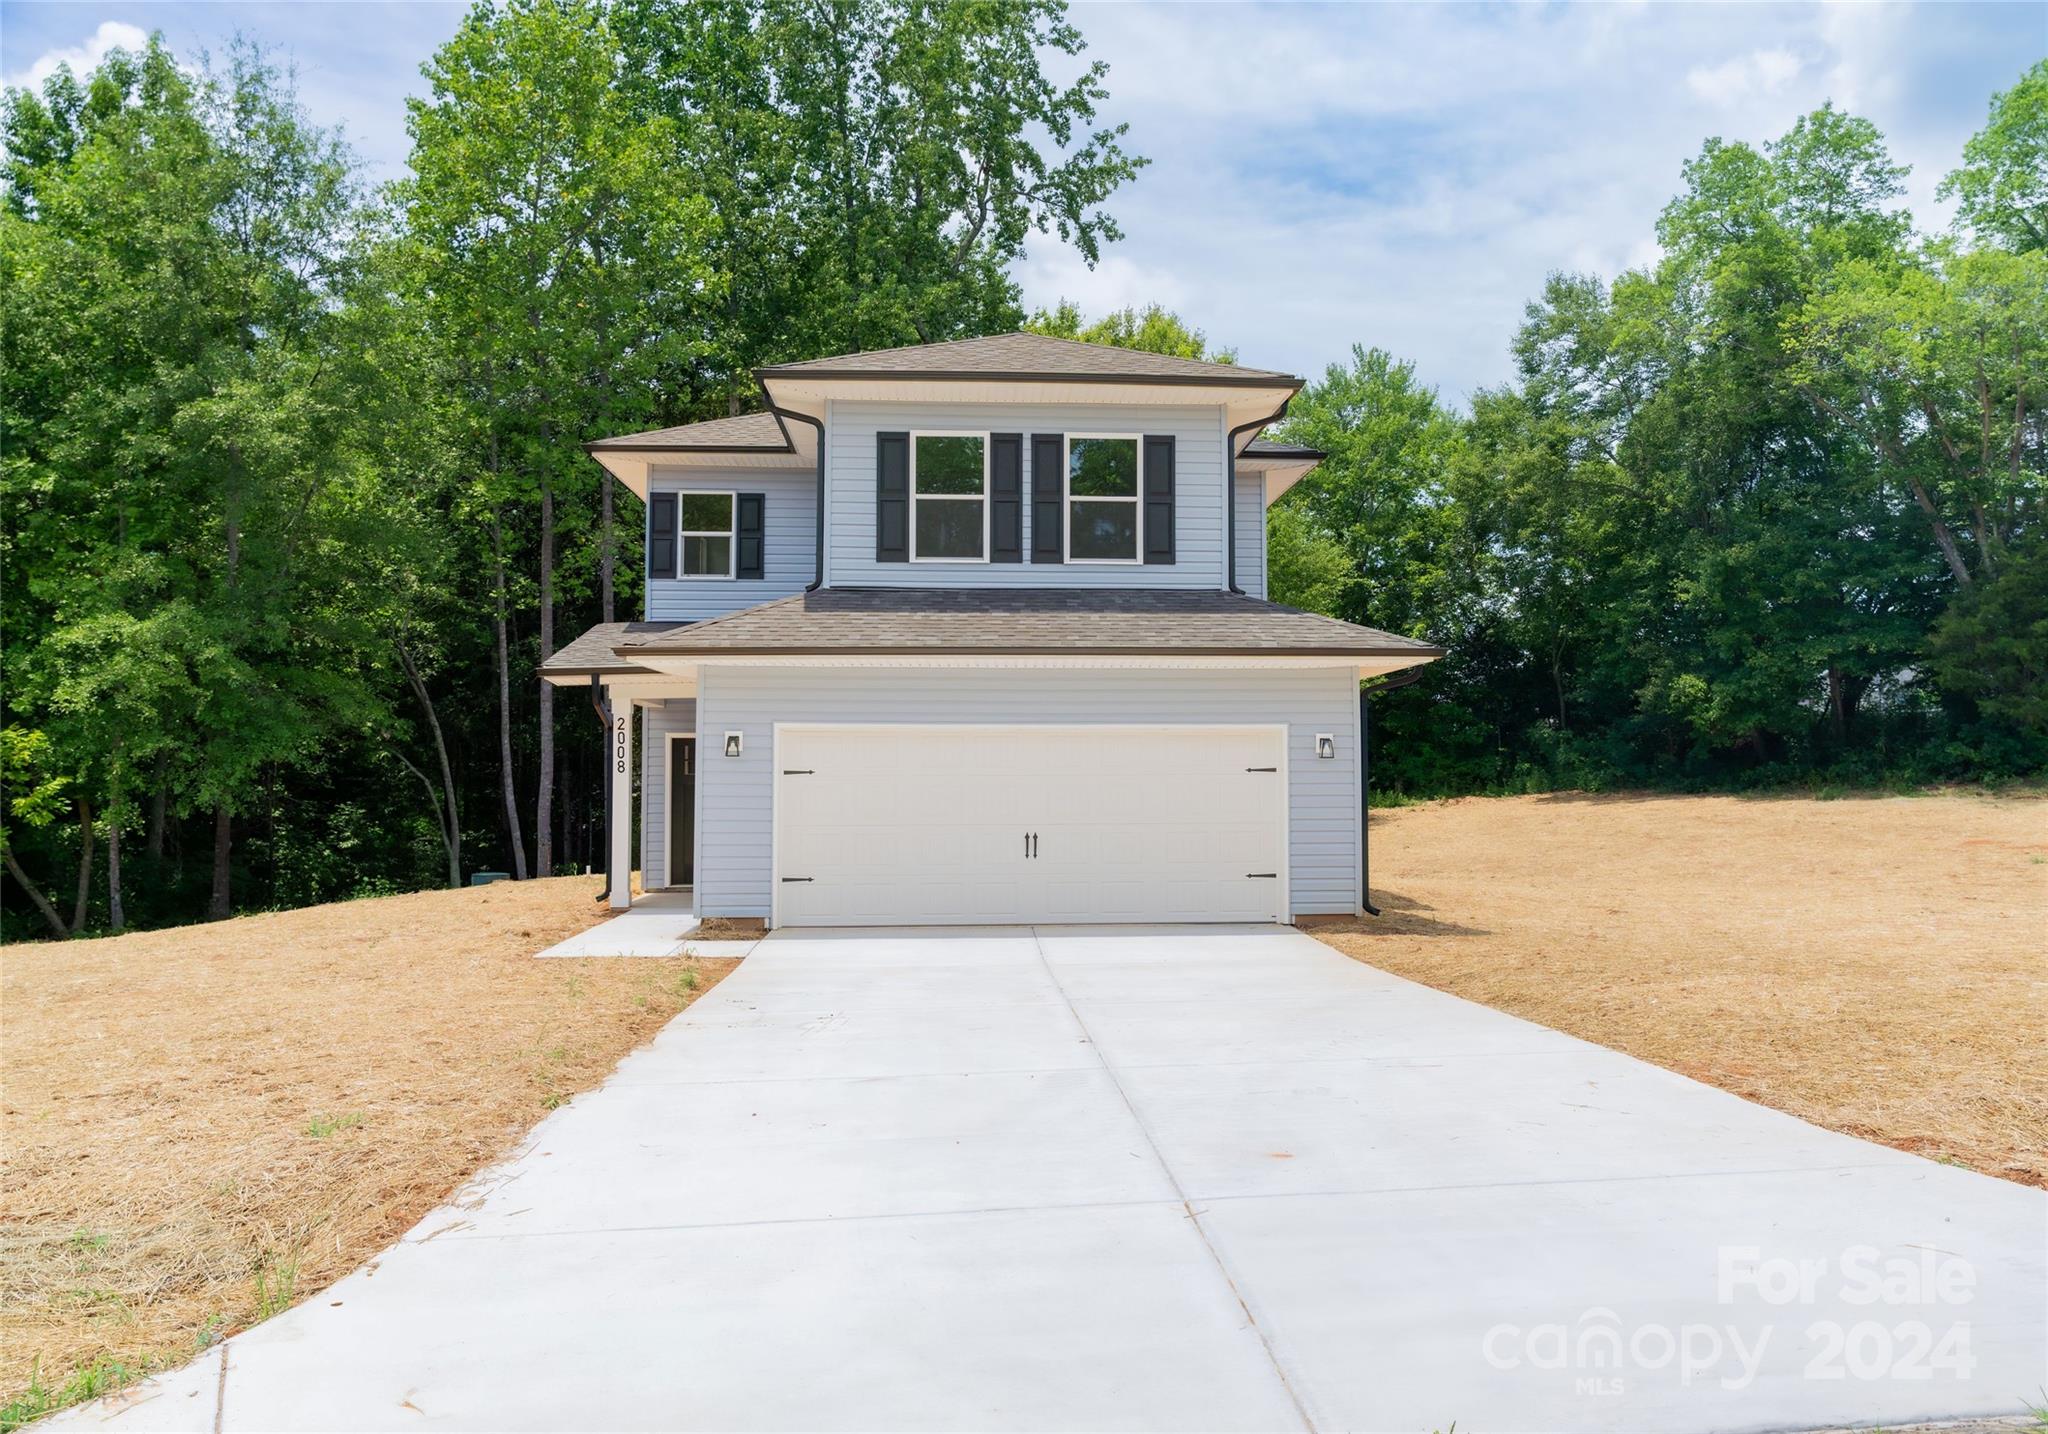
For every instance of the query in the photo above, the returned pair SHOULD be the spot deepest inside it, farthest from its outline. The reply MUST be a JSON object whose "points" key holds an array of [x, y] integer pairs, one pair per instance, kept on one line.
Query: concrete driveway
{"points": [[1184, 1179]]}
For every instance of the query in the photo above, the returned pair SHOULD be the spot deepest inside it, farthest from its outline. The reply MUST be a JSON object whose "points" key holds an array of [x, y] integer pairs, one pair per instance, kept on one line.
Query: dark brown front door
{"points": [[682, 813]]}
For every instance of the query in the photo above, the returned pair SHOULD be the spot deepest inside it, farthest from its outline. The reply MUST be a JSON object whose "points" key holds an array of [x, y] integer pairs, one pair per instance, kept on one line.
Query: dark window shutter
{"points": [[747, 534], [892, 497], [1048, 492], [1158, 498], [661, 535], [1006, 498]]}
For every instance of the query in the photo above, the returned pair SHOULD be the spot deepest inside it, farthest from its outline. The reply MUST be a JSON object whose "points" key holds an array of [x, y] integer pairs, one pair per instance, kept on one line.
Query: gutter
{"points": [[1230, 489], [818, 424], [604, 717]]}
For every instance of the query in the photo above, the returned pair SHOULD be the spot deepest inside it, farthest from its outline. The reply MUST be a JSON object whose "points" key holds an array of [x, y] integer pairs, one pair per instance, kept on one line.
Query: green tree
{"points": [[1991, 645], [2001, 187], [877, 167], [1152, 329], [1381, 494], [561, 270], [171, 248]]}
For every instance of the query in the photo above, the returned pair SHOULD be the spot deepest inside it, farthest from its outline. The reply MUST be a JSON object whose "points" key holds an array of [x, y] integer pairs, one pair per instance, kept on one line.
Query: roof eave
{"points": [[953, 375], [1012, 650]]}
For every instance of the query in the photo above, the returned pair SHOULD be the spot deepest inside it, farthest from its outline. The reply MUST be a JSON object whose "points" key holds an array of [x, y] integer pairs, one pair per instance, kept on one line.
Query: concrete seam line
{"points": [[220, 1391], [1194, 1218]]}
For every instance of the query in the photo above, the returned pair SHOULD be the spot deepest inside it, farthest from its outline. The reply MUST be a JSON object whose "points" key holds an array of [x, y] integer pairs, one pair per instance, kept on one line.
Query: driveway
{"points": [[1162, 1178]]}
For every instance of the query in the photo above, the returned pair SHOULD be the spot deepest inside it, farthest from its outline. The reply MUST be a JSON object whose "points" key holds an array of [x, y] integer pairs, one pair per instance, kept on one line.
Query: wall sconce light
{"points": [[732, 744], [1326, 745]]}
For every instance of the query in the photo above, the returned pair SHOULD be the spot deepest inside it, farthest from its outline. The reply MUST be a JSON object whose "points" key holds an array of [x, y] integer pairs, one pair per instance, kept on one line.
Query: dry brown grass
{"points": [[203, 1120], [1878, 966]]}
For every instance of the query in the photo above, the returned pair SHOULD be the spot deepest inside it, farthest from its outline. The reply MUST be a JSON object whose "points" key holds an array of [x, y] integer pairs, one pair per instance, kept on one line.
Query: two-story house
{"points": [[976, 632]]}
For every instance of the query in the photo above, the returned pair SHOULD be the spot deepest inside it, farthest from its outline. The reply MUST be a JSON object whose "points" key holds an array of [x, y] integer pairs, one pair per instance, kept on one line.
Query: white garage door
{"points": [[975, 825]]}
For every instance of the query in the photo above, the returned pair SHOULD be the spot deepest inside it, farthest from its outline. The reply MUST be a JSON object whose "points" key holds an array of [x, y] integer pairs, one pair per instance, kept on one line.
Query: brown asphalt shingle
{"points": [[748, 430], [1061, 620], [1026, 355], [592, 652]]}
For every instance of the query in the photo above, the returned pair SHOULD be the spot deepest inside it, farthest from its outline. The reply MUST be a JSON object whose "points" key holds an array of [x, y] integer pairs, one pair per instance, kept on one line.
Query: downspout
{"points": [[1365, 695], [1230, 488], [817, 581], [604, 846]]}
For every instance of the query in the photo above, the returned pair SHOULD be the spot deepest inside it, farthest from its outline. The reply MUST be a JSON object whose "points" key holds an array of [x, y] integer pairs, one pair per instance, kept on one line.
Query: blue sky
{"points": [[1390, 174]]}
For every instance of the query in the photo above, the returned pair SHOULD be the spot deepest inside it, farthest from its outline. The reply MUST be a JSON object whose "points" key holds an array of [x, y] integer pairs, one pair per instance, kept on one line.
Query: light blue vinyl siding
{"points": [[850, 493], [657, 720], [1251, 534], [789, 523], [735, 794]]}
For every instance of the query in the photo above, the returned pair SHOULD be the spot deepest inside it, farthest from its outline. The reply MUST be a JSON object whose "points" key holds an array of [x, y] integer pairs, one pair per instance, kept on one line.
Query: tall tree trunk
{"points": [[1838, 711], [159, 802], [35, 894], [544, 789], [450, 839], [117, 915], [608, 548], [85, 843], [451, 820], [221, 902], [505, 701]]}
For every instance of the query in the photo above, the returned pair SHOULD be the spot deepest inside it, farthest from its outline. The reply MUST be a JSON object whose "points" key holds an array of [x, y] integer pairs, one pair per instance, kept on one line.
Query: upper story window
{"points": [[708, 535], [949, 497], [1104, 514]]}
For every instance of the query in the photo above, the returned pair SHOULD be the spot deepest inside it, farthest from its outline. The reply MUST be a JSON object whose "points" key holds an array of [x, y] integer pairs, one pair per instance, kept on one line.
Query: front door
{"points": [[682, 812]]}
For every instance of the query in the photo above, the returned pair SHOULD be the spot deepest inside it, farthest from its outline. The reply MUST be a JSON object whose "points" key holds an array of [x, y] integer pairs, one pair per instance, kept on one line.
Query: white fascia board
{"points": [[809, 395]]}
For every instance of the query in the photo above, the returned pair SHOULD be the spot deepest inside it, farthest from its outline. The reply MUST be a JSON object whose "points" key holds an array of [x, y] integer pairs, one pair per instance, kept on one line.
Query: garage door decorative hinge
{"points": [[1264, 875], [1262, 769], [799, 878], [798, 772]]}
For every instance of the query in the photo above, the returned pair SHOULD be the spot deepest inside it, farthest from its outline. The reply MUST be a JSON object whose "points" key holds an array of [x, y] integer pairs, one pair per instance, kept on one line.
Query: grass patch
{"points": [[322, 1126], [103, 1376]]}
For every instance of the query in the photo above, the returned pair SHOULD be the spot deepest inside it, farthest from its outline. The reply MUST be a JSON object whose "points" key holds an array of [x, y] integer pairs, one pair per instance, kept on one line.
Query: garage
{"points": [[986, 824]]}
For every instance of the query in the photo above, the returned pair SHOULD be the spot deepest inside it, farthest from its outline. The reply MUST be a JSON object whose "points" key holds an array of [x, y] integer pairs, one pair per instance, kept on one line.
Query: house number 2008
{"points": [[619, 742]]}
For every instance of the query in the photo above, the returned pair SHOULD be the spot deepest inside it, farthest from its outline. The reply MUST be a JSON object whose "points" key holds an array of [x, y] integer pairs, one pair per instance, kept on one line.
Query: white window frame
{"points": [[1137, 499], [731, 534], [950, 497]]}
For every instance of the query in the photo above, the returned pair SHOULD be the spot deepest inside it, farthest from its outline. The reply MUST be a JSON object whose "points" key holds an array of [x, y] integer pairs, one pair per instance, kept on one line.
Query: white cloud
{"points": [[1744, 79], [82, 57], [1406, 175], [1052, 271]]}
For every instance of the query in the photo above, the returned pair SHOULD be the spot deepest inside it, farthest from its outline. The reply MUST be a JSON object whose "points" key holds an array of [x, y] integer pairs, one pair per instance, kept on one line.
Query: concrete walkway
{"points": [[1176, 1179], [659, 923]]}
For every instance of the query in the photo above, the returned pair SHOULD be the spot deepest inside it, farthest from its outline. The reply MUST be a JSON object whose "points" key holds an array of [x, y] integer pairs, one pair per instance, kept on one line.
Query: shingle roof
{"points": [[746, 432], [1023, 620], [592, 652], [1033, 356]]}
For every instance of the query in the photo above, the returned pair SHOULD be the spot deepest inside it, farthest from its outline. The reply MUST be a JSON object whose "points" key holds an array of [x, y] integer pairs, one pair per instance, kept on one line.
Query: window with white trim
{"points": [[707, 530], [949, 497], [1105, 515]]}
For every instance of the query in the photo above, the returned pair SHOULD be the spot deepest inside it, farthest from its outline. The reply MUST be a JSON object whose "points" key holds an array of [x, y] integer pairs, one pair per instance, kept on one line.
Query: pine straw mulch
{"points": [[205, 1124], [1875, 965]]}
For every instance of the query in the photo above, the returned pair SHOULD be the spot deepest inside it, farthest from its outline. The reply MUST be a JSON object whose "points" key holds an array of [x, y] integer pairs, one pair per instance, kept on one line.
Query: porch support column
{"points": [[621, 744]]}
